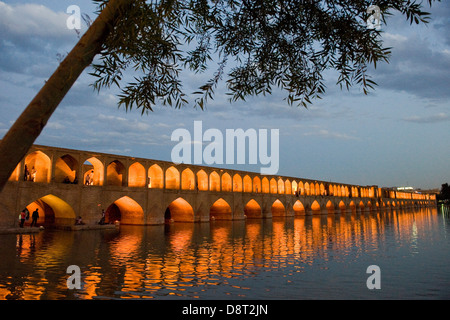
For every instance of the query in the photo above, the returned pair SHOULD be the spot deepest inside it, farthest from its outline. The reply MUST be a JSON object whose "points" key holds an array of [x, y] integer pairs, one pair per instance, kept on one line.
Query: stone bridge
{"points": [[64, 184]]}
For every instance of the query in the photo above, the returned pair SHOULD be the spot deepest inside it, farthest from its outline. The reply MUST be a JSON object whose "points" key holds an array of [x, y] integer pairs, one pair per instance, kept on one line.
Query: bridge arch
{"points": [[126, 210], [257, 184], [214, 181], [94, 169], [342, 206], [136, 175], [265, 185], [179, 210], [273, 186], [315, 207], [288, 186], [202, 180], [252, 209], [66, 169], [155, 177], [330, 207], [299, 209], [187, 179], [52, 211], [227, 182], [307, 190], [280, 186], [237, 183], [220, 210], [278, 209], [115, 173], [172, 179], [247, 182], [39, 166]]}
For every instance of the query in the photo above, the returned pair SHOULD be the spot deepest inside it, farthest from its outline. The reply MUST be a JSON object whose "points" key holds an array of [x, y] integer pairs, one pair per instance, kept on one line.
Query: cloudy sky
{"points": [[397, 135]]}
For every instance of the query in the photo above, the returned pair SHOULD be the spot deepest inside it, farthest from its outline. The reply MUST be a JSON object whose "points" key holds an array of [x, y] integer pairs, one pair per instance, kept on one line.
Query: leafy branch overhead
{"points": [[255, 46]]}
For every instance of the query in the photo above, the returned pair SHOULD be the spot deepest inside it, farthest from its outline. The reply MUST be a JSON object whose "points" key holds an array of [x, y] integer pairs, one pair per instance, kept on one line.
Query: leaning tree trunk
{"points": [[21, 136]]}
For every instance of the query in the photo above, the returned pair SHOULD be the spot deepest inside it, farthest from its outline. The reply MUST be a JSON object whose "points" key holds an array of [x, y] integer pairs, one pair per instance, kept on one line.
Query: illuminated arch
{"points": [[307, 191], [52, 211], [214, 181], [287, 186], [299, 209], [247, 182], [294, 187], [155, 177], [114, 173], [179, 210], [342, 206], [352, 206], [280, 186], [278, 209], [315, 207], [125, 210], [322, 189], [252, 209], [330, 207], [66, 169], [93, 168], [317, 189], [39, 166], [220, 210], [265, 185], [257, 184], [172, 178], [301, 188], [16, 173], [202, 180], [273, 186], [227, 182], [187, 179], [237, 183], [136, 175]]}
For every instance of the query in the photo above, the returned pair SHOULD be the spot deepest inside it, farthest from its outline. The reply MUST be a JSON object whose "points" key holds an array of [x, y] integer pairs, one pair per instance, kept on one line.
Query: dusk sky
{"points": [[397, 135]]}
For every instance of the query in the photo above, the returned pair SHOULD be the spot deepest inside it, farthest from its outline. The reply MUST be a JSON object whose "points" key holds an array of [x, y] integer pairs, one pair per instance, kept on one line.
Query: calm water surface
{"points": [[318, 257]]}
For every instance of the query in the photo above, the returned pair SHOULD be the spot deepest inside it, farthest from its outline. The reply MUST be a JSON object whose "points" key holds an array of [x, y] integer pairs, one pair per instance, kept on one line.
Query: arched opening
{"points": [[237, 183], [280, 186], [114, 173], [179, 210], [37, 167], [361, 205], [294, 187], [273, 186], [66, 169], [172, 178], [317, 189], [278, 209], [330, 207], [352, 206], [202, 180], [125, 210], [52, 211], [287, 187], [187, 179], [247, 181], [265, 185], [226, 182], [93, 172], [301, 188], [342, 206], [155, 177], [307, 191], [214, 181], [136, 175], [299, 209], [252, 209], [322, 189], [257, 184], [315, 207], [220, 210]]}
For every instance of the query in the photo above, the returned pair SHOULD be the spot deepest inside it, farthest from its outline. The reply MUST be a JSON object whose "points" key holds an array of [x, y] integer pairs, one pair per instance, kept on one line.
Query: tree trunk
{"points": [[21, 136]]}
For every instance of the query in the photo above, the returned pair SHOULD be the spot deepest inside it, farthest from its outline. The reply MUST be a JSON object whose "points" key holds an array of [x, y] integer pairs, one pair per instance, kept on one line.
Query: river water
{"points": [[313, 257]]}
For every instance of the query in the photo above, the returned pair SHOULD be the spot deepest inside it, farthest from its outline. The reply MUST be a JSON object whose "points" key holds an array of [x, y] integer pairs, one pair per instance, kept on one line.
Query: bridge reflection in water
{"points": [[221, 259]]}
